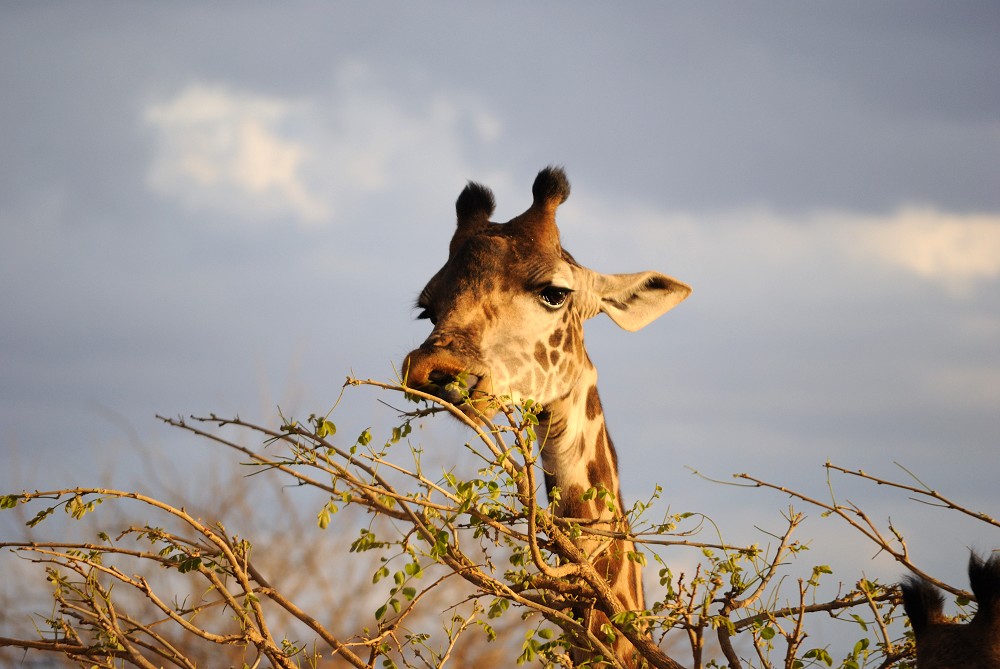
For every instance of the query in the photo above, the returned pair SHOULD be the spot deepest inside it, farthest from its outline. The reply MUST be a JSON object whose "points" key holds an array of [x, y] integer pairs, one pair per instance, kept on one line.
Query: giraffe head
{"points": [[509, 304]]}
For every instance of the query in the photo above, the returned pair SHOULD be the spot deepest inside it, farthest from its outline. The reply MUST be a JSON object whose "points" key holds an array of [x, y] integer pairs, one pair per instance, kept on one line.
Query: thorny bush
{"points": [[426, 531]]}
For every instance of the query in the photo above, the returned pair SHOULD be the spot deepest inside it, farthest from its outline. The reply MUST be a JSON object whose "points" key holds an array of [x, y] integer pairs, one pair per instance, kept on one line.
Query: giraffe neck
{"points": [[577, 455]]}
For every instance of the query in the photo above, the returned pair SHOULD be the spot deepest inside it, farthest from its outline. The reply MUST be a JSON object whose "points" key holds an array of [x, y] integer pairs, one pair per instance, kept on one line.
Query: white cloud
{"points": [[255, 156], [956, 251], [228, 151]]}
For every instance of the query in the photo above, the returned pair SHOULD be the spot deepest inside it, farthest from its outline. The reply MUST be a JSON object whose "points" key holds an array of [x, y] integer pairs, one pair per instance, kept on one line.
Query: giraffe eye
{"points": [[425, 314], [554, 296]]}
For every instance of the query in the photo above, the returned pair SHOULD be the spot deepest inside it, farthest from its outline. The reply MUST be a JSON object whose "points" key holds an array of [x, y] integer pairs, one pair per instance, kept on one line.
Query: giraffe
{"points": [[508, 309], [946, 645]]}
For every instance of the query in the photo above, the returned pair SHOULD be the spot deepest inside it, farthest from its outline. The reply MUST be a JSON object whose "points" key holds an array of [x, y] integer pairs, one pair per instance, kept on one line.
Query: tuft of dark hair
{"points": [[984, 578], [923, 603], [475, 201], [550, 184]]}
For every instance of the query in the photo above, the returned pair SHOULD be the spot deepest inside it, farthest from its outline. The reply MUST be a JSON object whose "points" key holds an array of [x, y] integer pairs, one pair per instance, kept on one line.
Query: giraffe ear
{"points": [[633, 301]]}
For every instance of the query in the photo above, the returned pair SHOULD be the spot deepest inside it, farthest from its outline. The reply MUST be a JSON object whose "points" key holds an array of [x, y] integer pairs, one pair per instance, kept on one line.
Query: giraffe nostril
{"points": [[442, 341]]}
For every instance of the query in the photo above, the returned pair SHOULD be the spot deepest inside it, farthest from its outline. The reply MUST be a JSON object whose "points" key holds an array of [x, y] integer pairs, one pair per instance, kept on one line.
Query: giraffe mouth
{"points": [[471, 393], [457, 379], [454, 388]]}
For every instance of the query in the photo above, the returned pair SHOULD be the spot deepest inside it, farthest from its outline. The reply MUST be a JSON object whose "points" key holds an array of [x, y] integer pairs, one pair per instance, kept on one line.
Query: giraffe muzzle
{"points": [[446, 375]]}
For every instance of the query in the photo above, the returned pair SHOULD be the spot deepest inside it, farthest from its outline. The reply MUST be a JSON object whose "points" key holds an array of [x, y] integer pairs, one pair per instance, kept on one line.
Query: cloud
{"points": [[959, 252], [957, 249], [257, 157], [405, 135], [229, 151]]}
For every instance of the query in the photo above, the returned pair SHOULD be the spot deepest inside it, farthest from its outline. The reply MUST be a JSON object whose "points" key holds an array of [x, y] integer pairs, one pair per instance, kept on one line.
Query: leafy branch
{"points": [[478, 545]]}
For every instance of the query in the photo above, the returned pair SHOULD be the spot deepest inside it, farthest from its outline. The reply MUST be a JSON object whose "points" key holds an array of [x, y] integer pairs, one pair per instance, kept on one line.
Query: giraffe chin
{"points": [[481, 410]]}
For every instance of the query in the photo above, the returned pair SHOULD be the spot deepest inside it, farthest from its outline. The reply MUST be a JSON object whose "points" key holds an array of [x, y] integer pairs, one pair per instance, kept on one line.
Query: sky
{"points": [[228, 208]]}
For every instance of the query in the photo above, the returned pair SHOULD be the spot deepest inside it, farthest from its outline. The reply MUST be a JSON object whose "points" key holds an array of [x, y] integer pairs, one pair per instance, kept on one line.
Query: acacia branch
{"points": [[924, 491], [866, 527]]}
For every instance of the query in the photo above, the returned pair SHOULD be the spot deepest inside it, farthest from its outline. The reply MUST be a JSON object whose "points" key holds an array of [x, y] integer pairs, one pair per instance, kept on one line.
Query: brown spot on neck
{"points": [[593, 403]]}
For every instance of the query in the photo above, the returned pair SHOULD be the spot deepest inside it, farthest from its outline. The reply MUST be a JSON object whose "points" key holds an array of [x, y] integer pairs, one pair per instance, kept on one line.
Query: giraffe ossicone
{"points": [[508, 309]]}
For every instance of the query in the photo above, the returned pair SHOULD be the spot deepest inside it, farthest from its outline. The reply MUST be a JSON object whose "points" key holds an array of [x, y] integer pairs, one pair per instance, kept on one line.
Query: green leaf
{"points": [[77, 508], [325, 428], [497, 607], [491, 634], [636, 556], [323, 518], [861, 622], [189, 564], [820, 654], [40, 516], [366, 541]]}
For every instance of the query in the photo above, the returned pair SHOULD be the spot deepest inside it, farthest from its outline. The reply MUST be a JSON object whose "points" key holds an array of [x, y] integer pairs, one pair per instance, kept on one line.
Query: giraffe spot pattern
{"points": [[487, 265], [573, 504], [593, 404], [599, 471], [568, 342], [541, 355]]}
